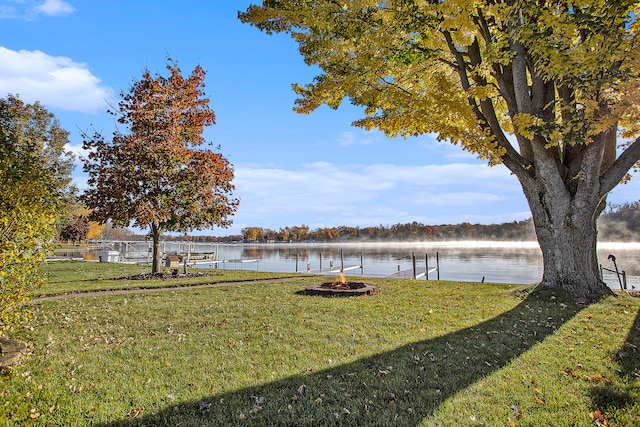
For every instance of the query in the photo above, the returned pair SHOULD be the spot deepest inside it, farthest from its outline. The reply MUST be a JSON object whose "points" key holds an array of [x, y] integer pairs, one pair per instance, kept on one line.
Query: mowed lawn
{"points": [[418, 353]]}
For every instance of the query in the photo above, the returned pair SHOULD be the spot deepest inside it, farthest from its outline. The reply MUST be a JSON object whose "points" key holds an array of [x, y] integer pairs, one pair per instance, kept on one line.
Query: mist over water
{"points": [[466, 261], [470, 261]]}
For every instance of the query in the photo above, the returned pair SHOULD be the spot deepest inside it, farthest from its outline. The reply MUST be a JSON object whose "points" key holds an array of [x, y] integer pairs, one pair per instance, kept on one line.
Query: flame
{"points": [[340, 281]]}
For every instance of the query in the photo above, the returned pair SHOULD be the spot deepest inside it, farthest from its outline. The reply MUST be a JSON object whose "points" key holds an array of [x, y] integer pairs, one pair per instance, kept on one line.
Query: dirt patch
{"points": [[11, 351], [163, 276]]}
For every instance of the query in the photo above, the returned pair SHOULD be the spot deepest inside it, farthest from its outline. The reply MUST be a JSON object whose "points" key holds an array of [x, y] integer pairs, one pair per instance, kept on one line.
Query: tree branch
{"points": [[620, 167]]}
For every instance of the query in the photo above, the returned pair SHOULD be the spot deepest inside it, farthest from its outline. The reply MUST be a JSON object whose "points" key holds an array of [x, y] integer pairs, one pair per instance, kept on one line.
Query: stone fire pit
{"points": [[342, 289]]}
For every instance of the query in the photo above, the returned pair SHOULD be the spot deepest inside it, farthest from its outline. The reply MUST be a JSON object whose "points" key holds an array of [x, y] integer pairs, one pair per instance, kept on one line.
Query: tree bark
{"points": [[155, 234], [567, 234]]}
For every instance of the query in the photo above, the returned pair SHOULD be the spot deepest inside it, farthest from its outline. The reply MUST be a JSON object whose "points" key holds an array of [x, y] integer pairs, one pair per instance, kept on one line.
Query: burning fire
{"points": [[340, 282]]}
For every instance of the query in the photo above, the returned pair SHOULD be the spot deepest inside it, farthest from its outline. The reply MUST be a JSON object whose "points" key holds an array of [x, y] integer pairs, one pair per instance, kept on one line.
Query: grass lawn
{"points": [[79, 276], [416, 354]]}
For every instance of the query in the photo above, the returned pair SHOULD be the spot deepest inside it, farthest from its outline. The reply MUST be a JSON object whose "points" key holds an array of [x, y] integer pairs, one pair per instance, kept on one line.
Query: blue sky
{"points": [[77, 56]]}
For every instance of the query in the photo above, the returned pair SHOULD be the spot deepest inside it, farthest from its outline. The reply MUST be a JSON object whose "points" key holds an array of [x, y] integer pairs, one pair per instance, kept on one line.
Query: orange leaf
{"points": [[540, 401]]}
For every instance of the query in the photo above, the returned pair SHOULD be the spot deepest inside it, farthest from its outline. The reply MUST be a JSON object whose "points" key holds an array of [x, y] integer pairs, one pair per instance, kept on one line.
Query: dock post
{"points": [[624, 278], [613, 258], [438, 265], [341, 262], [297, 260], [361, 264], [321, 262], [413, 261], [426, 266]]}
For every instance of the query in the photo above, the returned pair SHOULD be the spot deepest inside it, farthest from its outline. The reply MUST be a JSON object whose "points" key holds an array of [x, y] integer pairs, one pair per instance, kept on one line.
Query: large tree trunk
{"points": [[155, 234], [567, 233]]}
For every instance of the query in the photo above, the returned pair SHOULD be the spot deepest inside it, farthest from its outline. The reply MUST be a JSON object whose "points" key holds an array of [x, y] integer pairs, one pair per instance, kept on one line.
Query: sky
{"points": [[77, 56]]}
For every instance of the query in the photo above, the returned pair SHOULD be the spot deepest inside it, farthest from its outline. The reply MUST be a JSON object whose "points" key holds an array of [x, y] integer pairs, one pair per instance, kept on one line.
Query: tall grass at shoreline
{"points": [[417, 353]]}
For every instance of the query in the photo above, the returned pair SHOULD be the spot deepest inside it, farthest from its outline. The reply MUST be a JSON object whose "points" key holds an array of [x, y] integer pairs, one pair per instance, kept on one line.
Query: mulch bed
{"points": [[162, 276]]}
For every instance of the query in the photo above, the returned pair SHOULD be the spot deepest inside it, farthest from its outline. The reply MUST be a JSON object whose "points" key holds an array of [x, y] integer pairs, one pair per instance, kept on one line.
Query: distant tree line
{"points": [[619, 223], [414, 231]]}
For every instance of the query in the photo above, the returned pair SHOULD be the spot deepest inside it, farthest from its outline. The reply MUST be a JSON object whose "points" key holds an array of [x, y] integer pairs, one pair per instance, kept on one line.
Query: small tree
{"points": [[35, 173], [542, 87], [77, 230], [155, 176]]}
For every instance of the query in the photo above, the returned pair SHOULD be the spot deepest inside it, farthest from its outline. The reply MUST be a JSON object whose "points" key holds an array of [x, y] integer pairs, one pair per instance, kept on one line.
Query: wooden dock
{"points": [[409, 273]]}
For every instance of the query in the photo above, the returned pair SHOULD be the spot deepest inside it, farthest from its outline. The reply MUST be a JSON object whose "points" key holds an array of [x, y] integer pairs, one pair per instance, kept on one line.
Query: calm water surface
{"points": [[496, 262]]}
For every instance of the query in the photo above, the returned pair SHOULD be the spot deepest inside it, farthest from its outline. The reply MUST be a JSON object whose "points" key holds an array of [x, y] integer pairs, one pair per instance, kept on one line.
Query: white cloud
{"points": [[31, 9], [55, 81], [325, 194], [54, 8], [8, 12], [351, 138]]}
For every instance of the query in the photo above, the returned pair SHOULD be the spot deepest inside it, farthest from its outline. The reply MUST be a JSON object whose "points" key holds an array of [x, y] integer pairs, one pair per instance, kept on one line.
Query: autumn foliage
{"points": [[34, 175], [541, 87], [156, 175]]}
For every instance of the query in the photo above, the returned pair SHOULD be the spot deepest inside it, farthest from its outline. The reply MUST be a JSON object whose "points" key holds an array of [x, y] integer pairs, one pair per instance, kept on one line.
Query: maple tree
{"points": [[76, 225], [157, 176], [75, 231], [543, 87], [35, 173]]}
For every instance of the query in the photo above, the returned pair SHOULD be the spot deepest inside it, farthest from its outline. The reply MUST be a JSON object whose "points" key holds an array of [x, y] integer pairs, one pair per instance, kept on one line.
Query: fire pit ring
{"points": [[348, 289]]}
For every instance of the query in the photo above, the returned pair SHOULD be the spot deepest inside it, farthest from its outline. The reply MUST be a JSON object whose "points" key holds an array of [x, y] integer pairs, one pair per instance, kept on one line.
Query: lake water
{"points": [[494, 262]]}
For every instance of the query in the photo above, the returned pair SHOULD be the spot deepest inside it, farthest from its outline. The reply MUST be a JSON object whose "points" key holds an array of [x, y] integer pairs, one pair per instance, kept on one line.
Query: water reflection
{"points": [[499, 262]]}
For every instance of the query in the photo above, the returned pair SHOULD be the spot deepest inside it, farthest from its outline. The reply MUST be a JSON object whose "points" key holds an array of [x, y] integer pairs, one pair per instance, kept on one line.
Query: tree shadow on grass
{"points": [[608, 397], [397, 388]]}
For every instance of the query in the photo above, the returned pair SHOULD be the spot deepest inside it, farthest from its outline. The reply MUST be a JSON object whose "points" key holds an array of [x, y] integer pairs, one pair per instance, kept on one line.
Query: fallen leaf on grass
{"points": [[516, 413], [136, 412], [600, 377], [599, 419], [204, 405], [540, 401]]}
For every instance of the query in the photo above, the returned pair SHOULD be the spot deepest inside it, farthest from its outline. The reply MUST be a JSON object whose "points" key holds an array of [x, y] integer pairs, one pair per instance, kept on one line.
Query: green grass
{"points": [[80, 276], [418, 353]]}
